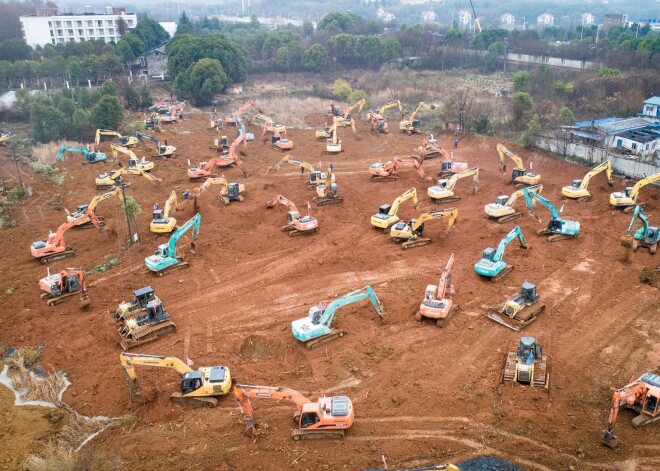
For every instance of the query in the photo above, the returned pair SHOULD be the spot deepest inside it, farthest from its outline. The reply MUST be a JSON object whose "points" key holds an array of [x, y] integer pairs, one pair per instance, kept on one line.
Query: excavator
{"points": [[517, 312], [502, 210], [171, 113], [377, 119], [646, 236], [387, 215], [162, 221], [165, 258], [226, 159], [412, 233], [327, 417], [240, 124], [412, 125], [228, 191], [269, 124], [90, 157], [578, 189], [385, 171], [492, 264], [137, 305], [327, 191], [295, 225], [519, 176], [448, 167], [81, 217], [220, 143], [316, 328], [126, 141], [346, 118], [627, 199], [164, 151], [231, 119], [216, 120], [527, 365], [4, 137], [315, 176], [133, 161], [333, 144], [198, 388], [146, 327], [642, 395], [63, 286], [54, 247], [437, 303], [110, 179], [278, 143], [443, 191], [151, 121], [558, 228]]}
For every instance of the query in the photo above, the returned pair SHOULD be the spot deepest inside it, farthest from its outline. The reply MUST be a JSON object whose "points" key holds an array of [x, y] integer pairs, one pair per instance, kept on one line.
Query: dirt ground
{"points": [[422, 395]]}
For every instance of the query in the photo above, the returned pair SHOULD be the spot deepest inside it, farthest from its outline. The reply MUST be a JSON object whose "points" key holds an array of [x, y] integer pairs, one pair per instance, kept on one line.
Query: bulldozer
{"points": [[646, 236], [137, 305], [327, 417], [296, 225], [520, 310], [437, 304], [63, 286], [198, 388], [443, 192], [527, 365], [146, 327], [642, 396], [411, 234]]}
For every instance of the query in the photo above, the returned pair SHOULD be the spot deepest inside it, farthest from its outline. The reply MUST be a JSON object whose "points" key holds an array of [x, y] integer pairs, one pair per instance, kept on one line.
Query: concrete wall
{"points": [[551, 61], [35, 30], [628, 166]]}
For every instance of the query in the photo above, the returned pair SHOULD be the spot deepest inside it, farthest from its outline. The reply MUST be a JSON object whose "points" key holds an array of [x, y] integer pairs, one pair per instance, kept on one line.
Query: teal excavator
{"points": [[646, 236], [91, 157], [558, 228], [492, 265], [165, 258]]}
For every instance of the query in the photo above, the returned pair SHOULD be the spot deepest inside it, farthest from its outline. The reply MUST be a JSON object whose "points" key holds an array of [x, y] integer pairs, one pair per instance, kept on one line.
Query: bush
{"points": [[341, 89], [49, 172], [528, 138]]}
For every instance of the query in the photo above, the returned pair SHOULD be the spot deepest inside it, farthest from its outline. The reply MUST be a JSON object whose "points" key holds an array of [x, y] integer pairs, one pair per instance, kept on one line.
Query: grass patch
{"points": [[109, 262], [10, 291], [51, 173]]}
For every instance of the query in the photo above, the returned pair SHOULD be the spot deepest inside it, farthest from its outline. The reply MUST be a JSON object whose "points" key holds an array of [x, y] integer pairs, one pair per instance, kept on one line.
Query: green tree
{"points": [[566, 116], [522, 81], [607, 72], [374, 27], [356, 95], [14, 50], [521, 105], [81, 123], [341, 89], [494, 56], [109, 88], [316, 58], [308, 29], [454, 35], [488, 37], [48, 123], [108, 114], [391, 49], [185, 26], [337, 21], [528, 138], [254, 21], [146, 100], [206, 79]]}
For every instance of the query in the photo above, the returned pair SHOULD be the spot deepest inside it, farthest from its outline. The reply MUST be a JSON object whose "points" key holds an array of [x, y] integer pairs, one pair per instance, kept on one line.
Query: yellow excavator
{"points": [[4, 137], [578, 189], [108, 179], [412, 125], [377, 119], [387, 215], [346, 119], [333, 145], [126, 141], [269, 124], [81, 218], [165, 150], [198, 388], [627, 199], [327, 191], [315, 176], [133, 161], [162, 221], [412, 233], [502, 210], [443, 192], [519, 176]]}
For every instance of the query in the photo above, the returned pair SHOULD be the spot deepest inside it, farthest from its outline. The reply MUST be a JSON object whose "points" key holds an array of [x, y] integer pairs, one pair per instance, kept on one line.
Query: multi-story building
{"points": [[545, 20], [49, 27]]}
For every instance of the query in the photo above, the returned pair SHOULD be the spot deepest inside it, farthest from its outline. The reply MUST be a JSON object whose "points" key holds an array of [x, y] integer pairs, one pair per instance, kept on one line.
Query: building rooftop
{"points": [[613, 125], [643, 135], [654, 100]]}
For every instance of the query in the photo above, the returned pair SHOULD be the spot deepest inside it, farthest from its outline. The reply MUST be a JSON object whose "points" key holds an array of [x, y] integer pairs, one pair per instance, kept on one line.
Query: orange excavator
{"points": [[226, 159], [430, 148], [63, 286], [327, 417], [641, 395], [437, 303], [231, 119], [295, 225], [387, 171], [54, 247], [277, 142]]}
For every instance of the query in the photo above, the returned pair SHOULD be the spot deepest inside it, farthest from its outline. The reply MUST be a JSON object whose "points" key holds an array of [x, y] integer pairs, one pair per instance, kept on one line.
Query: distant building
{"points": [[633, 136], [651, 110], [235, 89], [610, 21], [464, 19], [385, 16], [49, 27], [507, 19], [152, 62], [545, 20], [653, 23], [428, 16], [588, 19]]}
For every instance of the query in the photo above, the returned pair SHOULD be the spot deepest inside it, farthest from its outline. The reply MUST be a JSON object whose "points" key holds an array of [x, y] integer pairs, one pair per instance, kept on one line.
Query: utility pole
{"points": [[120, 180], [12, 146]]}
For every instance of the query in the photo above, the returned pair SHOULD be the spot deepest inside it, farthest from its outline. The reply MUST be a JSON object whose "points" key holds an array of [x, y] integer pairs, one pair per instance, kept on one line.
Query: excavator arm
{"points": [[104, 196], [450, 213], [358, 104], [116, 150], [445, 279], [283, 201], [531, 196], [389, 105], [439, 149], [137, 171], [193, 223], [518, 193], [629, 394], [249, 104], [129, 360], [104, 132], [409, 194], [352, 297], [605, 166], [471, 172], [642, 183], [171, 202], [417, 109], [503, 151], [244, 392], [516, 233], [292, 160]]}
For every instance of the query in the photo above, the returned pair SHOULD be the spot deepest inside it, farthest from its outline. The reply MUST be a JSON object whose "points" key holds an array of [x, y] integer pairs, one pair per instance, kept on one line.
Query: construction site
{"points": [[430, 299]]}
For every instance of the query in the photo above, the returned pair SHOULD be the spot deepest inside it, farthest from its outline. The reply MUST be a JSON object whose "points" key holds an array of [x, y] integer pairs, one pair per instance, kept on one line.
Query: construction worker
{"points": [[455, 143], [186, 194], [156, 206]]}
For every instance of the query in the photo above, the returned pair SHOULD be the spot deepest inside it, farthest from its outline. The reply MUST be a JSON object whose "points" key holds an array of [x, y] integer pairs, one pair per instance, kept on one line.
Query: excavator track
{"points": [[389, 178], [411, 244], [58, 256], [298, 434], [327, 201], [558, 237], [521, 320], [629, 209], [509, 218], [296, 232], [452, 312], [584, 199], [643, 419], [317, 342], [509, 372], [326, 152], [178, 266], [145, 334], [501, 274], [60, 299], [449, 199], [541, 378], [194, 401]]}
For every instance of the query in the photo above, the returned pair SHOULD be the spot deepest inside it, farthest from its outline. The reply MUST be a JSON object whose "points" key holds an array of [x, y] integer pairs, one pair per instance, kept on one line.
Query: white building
{"points": [[464, 19], [545, 19], [53, 28], [588, 19], [428, 16], [651, 110]]}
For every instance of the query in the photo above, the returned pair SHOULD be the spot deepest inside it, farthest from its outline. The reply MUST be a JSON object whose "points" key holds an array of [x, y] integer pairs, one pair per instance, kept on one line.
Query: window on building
{"points": [[69, 32], [130, 23], [99, 23], [90, 23], [109, 22], [634, 145], [111, 31], [58, 24], [52, 34], [60, 41], [52, 41], [79, 23], [81, 32], [68, 24], [100, 32], [59, 32], [50, 24], [90, 32]]}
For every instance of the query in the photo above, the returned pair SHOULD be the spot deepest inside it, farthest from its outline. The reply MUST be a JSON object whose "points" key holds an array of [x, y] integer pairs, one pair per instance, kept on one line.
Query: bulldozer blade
{"points": [[497, 317]]}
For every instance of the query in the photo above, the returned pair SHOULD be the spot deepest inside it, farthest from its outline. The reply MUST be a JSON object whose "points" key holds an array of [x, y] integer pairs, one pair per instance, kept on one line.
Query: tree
{"points": [[48, 123], [528, 138], [67, 107], [122, 27], [391, 49], [521, 81], [206, 79], [109, 88], [81, 123], [185, 26], [494, 55], [146, 100], [14, 50], [341, 89], [316, 58], [108, 114], [566, 116], [308, 29], [254, 21], [356, 95], [521, 106], [337, 21], [374, 27]]}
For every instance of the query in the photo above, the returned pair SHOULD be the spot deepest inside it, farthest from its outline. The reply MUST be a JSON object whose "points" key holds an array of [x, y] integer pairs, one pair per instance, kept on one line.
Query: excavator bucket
{"points": [[193, 247], [627, 240]]}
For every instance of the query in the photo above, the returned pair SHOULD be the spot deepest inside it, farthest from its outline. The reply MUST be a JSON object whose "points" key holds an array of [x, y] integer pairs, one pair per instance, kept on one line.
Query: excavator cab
{"points": [[576, 183], [627, 191], [528, 292], [190, 382], [517, 172], [501, 200], [233, 190], [442, 184], [143, 296], [333, 110], [157, 215], [315, 313], [651, 405], [72, 284], [384, 208], [445, 167], [155, 312], [489, 254]]}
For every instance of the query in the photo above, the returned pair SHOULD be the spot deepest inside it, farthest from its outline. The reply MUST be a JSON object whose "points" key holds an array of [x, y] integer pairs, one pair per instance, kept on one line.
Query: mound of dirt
{"points": [[256, 348]]}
